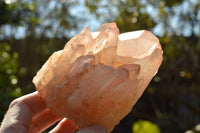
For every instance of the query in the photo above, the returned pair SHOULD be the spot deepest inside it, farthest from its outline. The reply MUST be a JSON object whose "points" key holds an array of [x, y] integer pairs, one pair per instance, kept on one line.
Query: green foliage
{"points": [[13, 13], [8, 78], [143, 126]]}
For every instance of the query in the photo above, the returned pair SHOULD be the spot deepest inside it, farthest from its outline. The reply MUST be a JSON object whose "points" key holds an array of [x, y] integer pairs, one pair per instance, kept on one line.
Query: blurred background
{"points": [[31, 30]]}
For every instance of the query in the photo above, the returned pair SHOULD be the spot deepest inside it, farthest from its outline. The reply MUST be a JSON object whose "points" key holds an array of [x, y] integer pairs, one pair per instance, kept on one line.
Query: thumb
{"points": [[94, 129]]}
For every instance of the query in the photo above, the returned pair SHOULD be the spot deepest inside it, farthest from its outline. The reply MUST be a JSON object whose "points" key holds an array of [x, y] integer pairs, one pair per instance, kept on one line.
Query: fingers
{"points": [[17, 119], [42, 121], [21, 111], [34, 102], [30, 114], [65, 126], [94, 129]]}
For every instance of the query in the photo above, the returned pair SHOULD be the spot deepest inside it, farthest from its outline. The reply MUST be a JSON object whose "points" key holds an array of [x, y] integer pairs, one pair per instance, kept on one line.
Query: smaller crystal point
{"points": [[137, 44], [99, 76]]}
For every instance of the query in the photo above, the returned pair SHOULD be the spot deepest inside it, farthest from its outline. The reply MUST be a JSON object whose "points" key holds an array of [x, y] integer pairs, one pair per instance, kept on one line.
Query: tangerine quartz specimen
{"points": [[99, 76]]}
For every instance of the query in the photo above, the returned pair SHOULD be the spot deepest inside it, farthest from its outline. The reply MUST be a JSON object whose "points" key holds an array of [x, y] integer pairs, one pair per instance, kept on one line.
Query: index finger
{"points": [[21, 112], [34, 101]]}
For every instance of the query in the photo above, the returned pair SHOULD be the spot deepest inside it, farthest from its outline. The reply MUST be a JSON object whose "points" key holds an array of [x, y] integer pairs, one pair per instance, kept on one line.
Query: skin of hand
{"points": [[29, 114]]}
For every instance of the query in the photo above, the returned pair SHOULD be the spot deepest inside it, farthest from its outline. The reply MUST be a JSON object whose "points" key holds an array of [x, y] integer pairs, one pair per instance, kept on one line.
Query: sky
{"points": [[79, 10]]}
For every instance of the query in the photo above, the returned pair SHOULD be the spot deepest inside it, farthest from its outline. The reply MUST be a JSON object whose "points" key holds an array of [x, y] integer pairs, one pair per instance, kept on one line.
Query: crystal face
{"points": [[99, 76]]}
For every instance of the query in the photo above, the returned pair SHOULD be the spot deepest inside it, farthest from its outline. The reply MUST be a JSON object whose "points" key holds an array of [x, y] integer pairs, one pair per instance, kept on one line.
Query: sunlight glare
{"points": [[7, 1]]}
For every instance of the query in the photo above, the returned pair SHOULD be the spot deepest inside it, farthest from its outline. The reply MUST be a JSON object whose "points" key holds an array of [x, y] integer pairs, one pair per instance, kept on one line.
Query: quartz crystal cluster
{"points": [[99, 76]]}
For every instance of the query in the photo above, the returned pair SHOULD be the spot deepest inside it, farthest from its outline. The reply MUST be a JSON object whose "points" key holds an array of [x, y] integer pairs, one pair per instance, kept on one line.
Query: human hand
{"points": [[29, 114]]}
